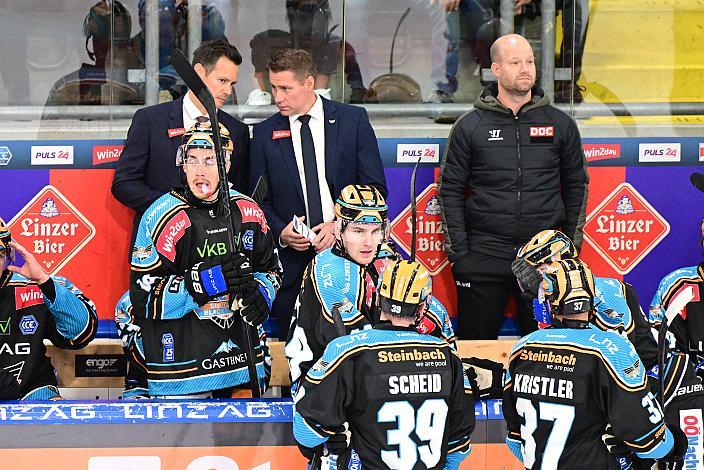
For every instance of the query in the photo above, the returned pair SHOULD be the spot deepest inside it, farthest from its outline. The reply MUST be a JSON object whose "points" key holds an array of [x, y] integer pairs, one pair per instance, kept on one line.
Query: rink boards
{"points": [[189, 435]]}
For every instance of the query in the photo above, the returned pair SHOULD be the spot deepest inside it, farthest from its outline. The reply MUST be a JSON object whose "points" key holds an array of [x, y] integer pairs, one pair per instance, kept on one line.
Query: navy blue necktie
{"points": [[310, 169]]}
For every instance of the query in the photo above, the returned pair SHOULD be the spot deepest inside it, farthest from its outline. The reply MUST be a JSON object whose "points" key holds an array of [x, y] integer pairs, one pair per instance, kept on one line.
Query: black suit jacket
{"points": [[351, 157], [147, 167]]}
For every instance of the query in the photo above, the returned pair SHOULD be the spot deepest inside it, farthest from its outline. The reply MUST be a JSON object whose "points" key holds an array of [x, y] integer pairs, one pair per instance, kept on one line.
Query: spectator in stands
{"points": [[310, 30], [35, 307], [173, 33], [513, 167], [147, 167], [107, 26]]}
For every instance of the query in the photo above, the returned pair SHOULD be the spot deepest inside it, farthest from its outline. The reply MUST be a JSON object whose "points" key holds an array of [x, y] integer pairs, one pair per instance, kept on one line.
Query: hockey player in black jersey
{"points": [[190, 294], [343, 280], [617, 306], [399, 397], [33, 307], [617, 309], [566, 382]]}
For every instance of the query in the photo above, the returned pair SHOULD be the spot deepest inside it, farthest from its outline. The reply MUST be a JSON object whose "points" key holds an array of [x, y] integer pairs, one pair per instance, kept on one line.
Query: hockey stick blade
{"points": [[414, 211], [260, 189], [194, 82], [697, 180]]}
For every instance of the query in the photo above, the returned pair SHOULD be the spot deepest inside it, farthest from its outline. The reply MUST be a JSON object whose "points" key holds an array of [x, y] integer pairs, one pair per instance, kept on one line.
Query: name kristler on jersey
{"points": [[544, 386], [413, 355], [220, 362], [542, 356], [415, 383]]}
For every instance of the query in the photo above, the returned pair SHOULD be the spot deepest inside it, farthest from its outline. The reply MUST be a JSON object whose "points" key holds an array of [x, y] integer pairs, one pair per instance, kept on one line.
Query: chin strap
{"points": [[570, 323]]}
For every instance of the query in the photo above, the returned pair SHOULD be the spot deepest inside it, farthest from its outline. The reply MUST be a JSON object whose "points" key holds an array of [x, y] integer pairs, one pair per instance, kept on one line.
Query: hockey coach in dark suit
{"points": [[147, 167], [309, 151]]}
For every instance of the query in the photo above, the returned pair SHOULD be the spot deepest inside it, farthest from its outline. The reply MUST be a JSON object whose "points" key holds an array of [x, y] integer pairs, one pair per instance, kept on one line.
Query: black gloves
{"points": [[615, 446], [623, 454], [340, 441], [254, 307], [485, 376], [222, 275], [674, 460], [9, 388], [528, 277]]}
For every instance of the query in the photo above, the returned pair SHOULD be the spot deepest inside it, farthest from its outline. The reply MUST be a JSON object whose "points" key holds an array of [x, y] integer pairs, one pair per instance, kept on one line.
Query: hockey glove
{"points": [[529, 278], [485, 377], [9, 388], [340, 441], [674, 460], [254, 308], [206, 281], [615, 446]]}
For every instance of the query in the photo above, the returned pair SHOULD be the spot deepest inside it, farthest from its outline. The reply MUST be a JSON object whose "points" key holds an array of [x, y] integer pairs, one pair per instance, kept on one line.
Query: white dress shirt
{"points": [[317, 128], [190, 112]]}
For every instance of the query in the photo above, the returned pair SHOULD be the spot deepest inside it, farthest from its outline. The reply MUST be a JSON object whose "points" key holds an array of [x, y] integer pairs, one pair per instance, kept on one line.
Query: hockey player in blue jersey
{"points": [[190, 294], [400, 398], [136, 379], [343, 280], [35, 307], [565, 383], [687, 328]]}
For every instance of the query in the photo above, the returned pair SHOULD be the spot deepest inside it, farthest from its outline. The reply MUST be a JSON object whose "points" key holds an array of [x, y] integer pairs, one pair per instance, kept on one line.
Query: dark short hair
{"points": [[210, 52], [297, 61]]}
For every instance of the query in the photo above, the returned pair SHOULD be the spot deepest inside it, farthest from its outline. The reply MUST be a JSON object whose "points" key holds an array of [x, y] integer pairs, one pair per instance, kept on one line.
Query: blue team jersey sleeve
{"points": [[74, 313]]}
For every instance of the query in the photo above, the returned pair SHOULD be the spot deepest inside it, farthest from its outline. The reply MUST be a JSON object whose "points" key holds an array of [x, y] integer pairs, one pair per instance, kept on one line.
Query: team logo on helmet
{"points": [[201, 136], [405, 288], [361, 203], [568, 286], [545, 245]]}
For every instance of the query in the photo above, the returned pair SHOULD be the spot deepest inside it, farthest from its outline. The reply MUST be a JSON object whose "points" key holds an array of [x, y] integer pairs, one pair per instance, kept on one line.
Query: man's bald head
{"points": [[505, 44]]}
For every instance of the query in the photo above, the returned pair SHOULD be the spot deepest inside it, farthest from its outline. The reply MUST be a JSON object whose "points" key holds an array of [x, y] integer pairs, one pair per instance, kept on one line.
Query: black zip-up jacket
{"points": [[504, 178]]}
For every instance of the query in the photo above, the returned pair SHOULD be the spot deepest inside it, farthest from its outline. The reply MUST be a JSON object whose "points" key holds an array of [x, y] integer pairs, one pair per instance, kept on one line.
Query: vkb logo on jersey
{"points": [[167, 341], [248, 240], [28, 325]]}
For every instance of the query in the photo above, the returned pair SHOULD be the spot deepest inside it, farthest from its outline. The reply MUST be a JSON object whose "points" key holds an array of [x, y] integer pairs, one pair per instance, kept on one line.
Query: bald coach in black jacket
{"points": [[514, 166]]}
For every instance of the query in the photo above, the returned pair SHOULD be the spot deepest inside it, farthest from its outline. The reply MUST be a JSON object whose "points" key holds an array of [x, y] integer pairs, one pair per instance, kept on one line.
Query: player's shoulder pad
{"points": [[612, 311], [124, 303], [688, 272], [17, 279], [162, 209], [438, 310], [249, 210], [336, 279], [614, 351], [344, 347]]}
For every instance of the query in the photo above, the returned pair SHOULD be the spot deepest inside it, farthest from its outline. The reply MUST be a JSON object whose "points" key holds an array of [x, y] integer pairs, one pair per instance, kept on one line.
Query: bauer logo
{"points": [[659, 153], [691, 424], [52, 229], [596, 152], [409, 153], [52, 155], [106, 153], [430, 251], [624, 228]]}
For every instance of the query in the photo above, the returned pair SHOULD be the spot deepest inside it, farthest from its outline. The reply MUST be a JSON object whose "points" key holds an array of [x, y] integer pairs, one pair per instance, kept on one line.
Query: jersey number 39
{"points": [[428, 424]]}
